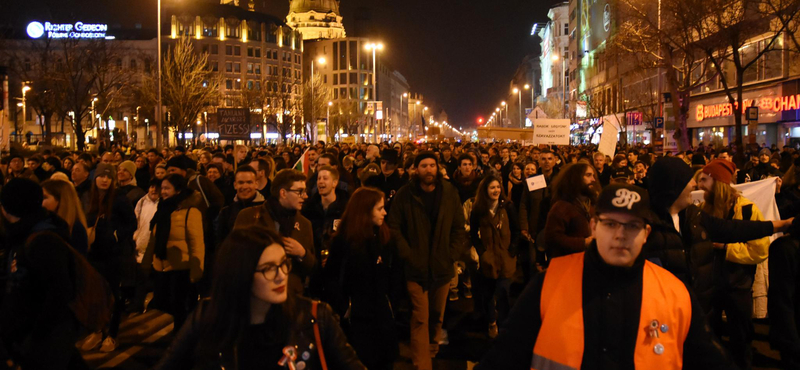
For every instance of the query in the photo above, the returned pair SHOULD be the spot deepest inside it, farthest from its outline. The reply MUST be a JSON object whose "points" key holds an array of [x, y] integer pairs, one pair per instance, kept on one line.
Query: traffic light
{"points": [[480, 121]]}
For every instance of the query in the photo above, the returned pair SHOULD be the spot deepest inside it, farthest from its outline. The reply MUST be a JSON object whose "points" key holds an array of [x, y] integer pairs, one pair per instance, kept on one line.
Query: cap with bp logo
{"points": [[624, 198], [35, 30]]}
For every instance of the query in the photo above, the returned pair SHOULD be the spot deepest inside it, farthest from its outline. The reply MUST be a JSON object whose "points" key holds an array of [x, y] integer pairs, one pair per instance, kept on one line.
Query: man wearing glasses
{"points": [[608, 307], [280, 213]]}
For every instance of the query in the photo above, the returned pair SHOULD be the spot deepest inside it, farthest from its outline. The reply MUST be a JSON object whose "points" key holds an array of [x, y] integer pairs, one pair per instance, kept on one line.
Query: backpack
{"points": [[93, 303]]}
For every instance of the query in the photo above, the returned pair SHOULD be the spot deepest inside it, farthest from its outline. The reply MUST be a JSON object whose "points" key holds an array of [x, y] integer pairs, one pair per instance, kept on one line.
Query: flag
{"points": [[761, 193], [302, 163]]}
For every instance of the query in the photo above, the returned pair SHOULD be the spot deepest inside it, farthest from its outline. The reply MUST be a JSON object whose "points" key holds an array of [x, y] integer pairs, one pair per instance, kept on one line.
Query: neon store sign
{"points": [[774, 104], [77, 30]]}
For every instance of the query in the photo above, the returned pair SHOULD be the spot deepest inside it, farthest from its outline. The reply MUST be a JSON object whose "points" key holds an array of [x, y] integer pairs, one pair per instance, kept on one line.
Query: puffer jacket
{"points": [[428, 247], [339, 355], [690, 254], [185, 247]]}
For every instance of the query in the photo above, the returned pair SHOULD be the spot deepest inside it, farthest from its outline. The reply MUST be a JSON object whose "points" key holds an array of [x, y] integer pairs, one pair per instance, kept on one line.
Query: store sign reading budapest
{"points": [[77, 30], [765, 104]]}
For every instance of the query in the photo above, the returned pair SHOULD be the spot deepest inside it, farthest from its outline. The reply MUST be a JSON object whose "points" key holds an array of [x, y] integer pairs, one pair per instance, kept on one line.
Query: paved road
{"points": [[144, 338]]}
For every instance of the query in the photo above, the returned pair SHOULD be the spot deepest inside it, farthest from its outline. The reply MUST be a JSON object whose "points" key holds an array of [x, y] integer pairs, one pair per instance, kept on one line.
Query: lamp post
{"points": [[94, 113], [328, 119], [374, 47], [25, 89], [504, 105], [563, 84], [415, 112], [400, 119], [159, 139], [321, 61], [519, 93]]}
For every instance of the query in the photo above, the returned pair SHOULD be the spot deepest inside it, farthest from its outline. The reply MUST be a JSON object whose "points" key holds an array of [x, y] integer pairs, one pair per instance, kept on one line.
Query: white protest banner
{"points": [[551, 131], [536, 183], [761, 193], [608, 140]]}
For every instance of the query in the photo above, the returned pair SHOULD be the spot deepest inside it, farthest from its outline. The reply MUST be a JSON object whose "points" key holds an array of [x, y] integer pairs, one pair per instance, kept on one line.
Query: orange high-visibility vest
{"points": [[666, 309]]}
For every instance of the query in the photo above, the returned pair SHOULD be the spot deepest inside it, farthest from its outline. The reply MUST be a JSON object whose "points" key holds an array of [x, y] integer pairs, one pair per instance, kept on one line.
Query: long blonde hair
{"points": [[69, 205], [720, 200]]}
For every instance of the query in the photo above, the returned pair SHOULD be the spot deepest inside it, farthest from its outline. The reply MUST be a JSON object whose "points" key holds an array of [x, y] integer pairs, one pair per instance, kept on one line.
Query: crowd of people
{"points": [[312, 256]]}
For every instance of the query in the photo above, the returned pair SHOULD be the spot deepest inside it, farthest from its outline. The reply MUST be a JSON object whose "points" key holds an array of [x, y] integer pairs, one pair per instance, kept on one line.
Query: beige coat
{"points": [[185, 247]]}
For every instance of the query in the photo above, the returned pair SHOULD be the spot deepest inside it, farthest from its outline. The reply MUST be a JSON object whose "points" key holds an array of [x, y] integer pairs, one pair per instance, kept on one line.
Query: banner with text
{"points": [[551, 131], [233, 123]]}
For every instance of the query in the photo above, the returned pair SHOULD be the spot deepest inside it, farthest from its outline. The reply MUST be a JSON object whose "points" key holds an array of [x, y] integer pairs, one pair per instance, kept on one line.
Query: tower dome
{"points": [[319, 6], [316, 19]]}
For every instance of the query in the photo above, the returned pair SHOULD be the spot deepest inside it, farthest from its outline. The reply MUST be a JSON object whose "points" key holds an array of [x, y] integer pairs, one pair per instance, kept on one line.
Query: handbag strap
{"points": [[322, 361], [197, 179]]}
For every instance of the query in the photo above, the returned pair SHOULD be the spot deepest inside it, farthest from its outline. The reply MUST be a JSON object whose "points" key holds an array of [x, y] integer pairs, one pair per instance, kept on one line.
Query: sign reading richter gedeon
{"points": [[233, 123], [551, 131], [77, 30]]}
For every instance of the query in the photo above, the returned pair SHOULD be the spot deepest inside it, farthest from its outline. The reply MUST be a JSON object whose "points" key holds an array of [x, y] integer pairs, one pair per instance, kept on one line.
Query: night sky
{"points": [[460, 53]]}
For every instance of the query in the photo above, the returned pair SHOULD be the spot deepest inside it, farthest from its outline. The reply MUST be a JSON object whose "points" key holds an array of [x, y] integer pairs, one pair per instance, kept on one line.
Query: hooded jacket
{"points": [[185, 247]]}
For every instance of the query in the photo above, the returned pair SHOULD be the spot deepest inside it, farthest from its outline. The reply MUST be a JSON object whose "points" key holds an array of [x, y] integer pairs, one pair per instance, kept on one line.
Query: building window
{"points": [[343, 78], [258, 68], [249, 85], [250, 68], [210, 30], [237, 67], [228, 50], [325, 79], [258, 85], [233, 32], [228, 84], [185, 29], [335, 79], [214, 49], [566, 28], [133, 64], [250, 52], [254, 32], [237, 85], [228, 67], [204, 49], [336, 93], [237, 50], [214, 66], [258, 52]]}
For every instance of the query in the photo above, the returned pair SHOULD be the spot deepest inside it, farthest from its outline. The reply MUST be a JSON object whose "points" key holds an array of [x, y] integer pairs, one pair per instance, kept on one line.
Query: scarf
{"points": [[163, 220], [515, 180], [283, 216], [466, 180]]}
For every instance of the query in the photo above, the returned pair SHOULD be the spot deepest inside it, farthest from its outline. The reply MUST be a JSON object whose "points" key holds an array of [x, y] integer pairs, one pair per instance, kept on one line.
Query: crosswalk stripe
{"points": [[135, 349]]}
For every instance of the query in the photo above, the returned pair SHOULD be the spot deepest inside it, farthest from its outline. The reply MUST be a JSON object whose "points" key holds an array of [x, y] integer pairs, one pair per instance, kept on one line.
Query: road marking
{"points": [[122, 357]]}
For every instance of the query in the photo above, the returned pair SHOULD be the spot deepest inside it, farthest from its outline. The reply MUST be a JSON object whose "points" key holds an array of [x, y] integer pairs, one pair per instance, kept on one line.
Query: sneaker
{"points": [[453, 295], [467, 293], [92, 341], [493, 330], [109, 345]]}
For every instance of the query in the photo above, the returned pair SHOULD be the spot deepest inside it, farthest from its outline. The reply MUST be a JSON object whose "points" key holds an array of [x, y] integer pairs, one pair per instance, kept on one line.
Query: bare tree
{"points": [[187, 85], [317, 104]]}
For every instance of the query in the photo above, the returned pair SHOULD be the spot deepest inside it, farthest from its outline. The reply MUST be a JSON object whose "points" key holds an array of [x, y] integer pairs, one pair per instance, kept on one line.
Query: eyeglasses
{"points": [[299, 192], [630, 227], [270, 272]]}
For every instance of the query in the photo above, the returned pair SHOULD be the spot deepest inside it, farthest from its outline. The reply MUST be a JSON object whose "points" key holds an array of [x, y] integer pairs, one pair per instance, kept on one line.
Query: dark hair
{"points": [[219, 155], [227, 314], [569, 185], [177, 181], [242, 169], [465, 157], [284, 180], [331, 158], [481, 205], [215, 166], [263, 165], [155, 182], [103, 206], [153, 150], [356, 225]]}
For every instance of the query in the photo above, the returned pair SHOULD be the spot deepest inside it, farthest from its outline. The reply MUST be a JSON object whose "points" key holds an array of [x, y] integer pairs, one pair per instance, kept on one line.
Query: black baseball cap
{"points": [[624, 198]]}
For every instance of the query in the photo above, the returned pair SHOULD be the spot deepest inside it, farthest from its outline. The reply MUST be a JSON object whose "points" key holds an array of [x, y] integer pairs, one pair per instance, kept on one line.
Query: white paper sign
{"points": [[608, 140], [536, 183], [551, 131]]}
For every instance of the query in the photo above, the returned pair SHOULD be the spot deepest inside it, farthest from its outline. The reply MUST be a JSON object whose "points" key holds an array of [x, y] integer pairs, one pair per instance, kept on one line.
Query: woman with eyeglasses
{"points": [[357, 276], [252, 321], [176, 250]]}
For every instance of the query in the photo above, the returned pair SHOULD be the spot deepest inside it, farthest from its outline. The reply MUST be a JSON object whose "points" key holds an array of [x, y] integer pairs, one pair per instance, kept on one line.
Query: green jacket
{"points": [[428, 253]]}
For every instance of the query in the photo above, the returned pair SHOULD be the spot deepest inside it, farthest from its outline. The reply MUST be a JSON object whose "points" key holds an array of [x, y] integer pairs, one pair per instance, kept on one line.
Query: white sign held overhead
{"points": [[608, 140], [551, 131]]}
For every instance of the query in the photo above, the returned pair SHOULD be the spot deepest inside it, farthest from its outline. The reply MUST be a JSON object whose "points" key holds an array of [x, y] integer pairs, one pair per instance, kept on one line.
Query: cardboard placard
{"points": [[536, 183], [551, 131]]}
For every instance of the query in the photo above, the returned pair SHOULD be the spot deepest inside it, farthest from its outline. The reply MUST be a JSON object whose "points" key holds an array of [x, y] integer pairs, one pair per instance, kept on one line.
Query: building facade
{"points": [[316, 19]]}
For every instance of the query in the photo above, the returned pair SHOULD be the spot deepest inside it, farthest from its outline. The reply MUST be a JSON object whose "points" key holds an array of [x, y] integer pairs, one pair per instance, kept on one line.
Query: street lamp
{"points": [[374, 48], [400, 123], [532, 95], [159, 139], [25, 89], [504, 105], [321, 61], [563, 84], [519, 93]]}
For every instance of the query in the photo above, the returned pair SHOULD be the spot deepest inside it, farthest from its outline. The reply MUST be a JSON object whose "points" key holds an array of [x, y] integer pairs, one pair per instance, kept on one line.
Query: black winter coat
{"points": [[429, 247], [690, 254], [114, 232], [182, 353]]}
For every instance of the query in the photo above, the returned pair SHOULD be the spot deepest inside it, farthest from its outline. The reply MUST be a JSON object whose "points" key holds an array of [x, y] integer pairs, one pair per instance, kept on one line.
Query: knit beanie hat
{"points": [[128, 166], [720, 170], [21, 196], [105, 169], [177, 162], [666, 180], [425, 155]]}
